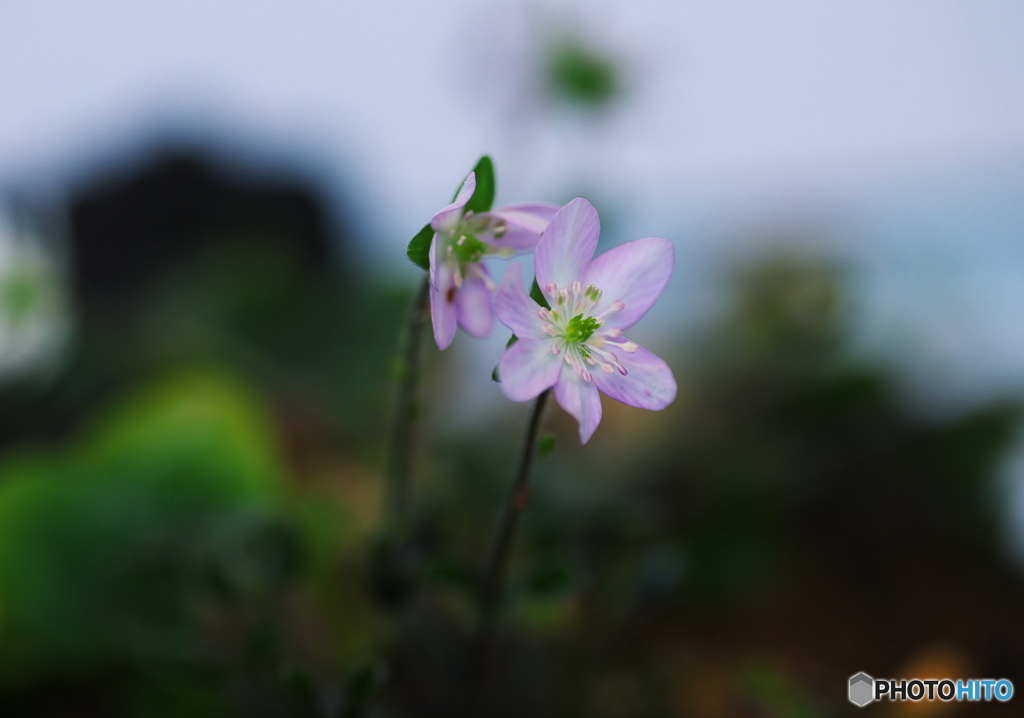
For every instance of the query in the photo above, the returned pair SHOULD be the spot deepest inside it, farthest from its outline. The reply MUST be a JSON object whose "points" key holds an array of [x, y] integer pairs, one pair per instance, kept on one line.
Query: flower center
{"points": [[464, 248], [581, 337], [580, 329], [468, 248]]}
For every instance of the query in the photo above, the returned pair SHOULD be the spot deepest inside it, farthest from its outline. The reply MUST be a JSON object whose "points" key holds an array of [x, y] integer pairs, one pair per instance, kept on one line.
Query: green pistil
{"points": [[468, 248], [580, 329]]}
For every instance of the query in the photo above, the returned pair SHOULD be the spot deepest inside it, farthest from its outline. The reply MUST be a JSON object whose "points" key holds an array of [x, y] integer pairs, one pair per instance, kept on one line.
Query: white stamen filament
{"points": [[578, 301]]}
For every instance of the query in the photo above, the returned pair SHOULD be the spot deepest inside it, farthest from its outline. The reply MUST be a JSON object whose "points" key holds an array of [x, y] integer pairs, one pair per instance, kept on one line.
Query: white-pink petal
{"points": [[443, 314], [447, 218], [648, 383], [474, 304], [568, 243], [514, 307], [581, 399], [524, 223], [634, 273], [527, 368]]}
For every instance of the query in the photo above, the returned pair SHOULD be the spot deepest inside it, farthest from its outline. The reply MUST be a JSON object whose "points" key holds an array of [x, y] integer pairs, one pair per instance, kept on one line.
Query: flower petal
{"points": [[634, 273], [442, 307], [448, 217], [514, 307], [648, 383], [524, 223], [435, 268], [474, 303], [581, 399], [567, 244], [527, 368]]}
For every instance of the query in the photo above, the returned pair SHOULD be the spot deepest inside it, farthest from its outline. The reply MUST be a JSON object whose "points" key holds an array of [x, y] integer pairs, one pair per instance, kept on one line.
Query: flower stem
{"points": [[407, 409], [494, 577]]}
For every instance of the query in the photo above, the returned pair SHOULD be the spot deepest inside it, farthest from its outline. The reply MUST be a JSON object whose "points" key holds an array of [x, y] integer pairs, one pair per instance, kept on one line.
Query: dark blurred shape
{"points": [[188, 256], [158, 554], [131, 232]]}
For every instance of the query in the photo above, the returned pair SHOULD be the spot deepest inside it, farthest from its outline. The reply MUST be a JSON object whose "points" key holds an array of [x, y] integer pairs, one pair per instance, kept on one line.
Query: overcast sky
{"points": [[733, 96], [739, 110]]}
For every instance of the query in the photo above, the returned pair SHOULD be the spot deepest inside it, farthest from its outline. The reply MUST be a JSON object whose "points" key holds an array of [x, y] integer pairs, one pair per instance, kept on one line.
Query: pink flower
{"points": [[461, 288], [577, 345]]}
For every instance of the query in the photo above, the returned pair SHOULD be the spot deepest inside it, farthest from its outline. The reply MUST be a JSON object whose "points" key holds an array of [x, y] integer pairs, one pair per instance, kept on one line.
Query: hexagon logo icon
{"points": [[862, 689]]}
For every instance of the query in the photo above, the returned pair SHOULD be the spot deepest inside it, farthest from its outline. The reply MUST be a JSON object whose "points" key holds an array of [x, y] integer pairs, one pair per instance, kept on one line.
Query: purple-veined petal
{"points": [[581, 399], [567, 244], [524, 223], [648, 383], [514, 307], [474, 303], [634, 273], [447, 218], [442, 307], [527, 368]]}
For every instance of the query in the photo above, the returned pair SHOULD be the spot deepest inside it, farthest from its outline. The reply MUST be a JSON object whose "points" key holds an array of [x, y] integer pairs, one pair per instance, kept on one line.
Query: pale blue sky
{"points": [[890, 123], [735, 97]]}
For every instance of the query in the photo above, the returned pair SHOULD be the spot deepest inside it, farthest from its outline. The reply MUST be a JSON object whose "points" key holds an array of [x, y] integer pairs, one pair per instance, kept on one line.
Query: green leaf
{"points": [[579, 73], [538, 296], [546, 445], [483, 195], [419, 247]]}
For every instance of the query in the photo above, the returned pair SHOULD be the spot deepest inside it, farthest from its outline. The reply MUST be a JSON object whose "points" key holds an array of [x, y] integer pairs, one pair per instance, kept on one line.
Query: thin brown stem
{"points": [[492, 588], [403, 434]]}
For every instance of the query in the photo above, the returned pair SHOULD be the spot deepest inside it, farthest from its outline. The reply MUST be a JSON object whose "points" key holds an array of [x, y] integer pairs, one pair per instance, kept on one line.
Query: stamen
{"points": [[587, 376], [506, 252], [555, 350], [576, 286], [563, 296], [490, 284], [551, 289], [461, 241], [607, 368], [617, 306], [543, 314], [613, 332], [629, 347]]}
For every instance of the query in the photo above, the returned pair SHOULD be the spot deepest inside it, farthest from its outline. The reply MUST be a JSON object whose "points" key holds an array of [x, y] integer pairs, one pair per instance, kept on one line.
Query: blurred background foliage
{"points": [[195, 383], [190, 507]]}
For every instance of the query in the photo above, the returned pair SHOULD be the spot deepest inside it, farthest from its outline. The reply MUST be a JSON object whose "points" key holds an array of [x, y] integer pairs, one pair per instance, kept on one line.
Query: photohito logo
{"points": [[864, 689]]}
